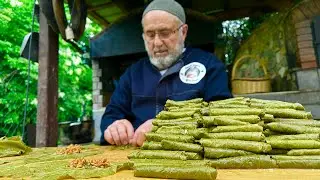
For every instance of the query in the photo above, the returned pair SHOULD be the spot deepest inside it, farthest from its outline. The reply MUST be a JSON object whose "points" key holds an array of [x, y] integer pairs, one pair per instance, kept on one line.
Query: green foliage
{"points": [[75, 75], [237, 31]]}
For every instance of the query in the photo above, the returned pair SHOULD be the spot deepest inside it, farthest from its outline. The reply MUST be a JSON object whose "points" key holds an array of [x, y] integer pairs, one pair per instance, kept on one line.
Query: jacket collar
{"points": [[175, 68]]}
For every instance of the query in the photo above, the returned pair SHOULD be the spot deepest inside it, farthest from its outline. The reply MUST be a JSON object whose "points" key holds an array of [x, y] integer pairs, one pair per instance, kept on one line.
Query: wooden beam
{"points": [[98, 18], [126, 6], [47, 123], [100, 6], [233, 14]]}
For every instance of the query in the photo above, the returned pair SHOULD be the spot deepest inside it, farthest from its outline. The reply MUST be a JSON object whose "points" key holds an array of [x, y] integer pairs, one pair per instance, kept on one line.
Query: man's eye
{"points": [[165, 33], [150, 34]]}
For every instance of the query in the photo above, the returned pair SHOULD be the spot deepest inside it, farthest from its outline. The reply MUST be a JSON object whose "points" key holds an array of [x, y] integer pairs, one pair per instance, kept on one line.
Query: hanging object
{"points": [[78, 17], [33, 40], [77, 23], [69, 33]]}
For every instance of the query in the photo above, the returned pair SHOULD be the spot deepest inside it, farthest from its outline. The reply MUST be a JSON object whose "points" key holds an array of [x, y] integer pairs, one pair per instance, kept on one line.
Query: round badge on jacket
{"points": [[192, 73]]}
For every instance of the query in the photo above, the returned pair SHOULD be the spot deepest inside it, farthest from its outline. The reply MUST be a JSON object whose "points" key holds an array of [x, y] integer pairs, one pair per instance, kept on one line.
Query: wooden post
{"points": [[47, 123]]}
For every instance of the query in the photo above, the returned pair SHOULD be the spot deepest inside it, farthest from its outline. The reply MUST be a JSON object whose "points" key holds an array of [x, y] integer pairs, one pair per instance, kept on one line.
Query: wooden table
{"points": [[118, 155]]}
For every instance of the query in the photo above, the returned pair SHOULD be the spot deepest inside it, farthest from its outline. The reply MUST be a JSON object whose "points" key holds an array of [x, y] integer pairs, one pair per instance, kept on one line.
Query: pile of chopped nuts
{"points": [[78, 163], [71, 149], [81, 162]]}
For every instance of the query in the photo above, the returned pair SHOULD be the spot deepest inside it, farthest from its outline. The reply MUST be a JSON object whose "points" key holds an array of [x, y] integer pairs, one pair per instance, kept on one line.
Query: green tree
{"points": [[75, 75]]}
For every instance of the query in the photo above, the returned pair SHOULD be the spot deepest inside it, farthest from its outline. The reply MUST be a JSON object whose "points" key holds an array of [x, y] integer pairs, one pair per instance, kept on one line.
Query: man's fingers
{"points": [[129, 129], [122, 132], [108, 137], [134, 139], [141, 137], [115, 135]]}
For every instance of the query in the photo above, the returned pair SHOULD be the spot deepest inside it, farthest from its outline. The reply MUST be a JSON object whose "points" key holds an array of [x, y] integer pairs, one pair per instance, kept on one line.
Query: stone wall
{"points": [[306, 51], [272, 42], [97, 97]]}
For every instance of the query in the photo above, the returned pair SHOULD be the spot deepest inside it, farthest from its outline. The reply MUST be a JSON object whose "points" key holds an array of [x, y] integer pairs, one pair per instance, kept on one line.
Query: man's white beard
{"points": [[165, 62]]}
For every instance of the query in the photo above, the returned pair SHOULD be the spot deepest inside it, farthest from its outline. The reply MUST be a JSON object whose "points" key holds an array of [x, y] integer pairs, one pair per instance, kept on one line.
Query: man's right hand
{"points": [[119, 132]]}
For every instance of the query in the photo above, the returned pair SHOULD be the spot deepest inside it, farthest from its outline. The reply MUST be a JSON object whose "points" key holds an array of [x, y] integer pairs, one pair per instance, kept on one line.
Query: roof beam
{"points": [[233, 14], [100, 6], [127, 6], [100, 19]]}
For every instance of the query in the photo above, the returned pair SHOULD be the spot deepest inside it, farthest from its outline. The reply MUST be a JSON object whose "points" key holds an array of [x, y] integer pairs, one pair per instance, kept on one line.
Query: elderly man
{"points": [[170, 72]]}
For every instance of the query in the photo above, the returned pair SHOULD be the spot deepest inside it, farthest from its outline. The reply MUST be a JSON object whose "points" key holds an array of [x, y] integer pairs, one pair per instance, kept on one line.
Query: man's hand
{"points": [[119, 132], [139, 136]]}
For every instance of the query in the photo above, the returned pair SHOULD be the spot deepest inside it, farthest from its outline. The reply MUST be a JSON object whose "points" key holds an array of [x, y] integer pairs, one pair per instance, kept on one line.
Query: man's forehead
{"points": [[159, 16]]}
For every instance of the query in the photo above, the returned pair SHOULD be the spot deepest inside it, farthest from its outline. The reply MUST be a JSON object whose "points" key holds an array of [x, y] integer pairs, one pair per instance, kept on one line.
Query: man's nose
{"points": [[157, 40]]}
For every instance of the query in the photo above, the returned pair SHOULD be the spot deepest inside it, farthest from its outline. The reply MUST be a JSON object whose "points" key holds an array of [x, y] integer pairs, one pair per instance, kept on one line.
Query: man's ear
{"points": [[185, 31]]}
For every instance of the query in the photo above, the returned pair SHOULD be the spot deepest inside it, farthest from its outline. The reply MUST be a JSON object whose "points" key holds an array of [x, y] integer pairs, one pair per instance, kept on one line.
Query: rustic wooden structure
{"points": [[47, 125], [106, 12]]}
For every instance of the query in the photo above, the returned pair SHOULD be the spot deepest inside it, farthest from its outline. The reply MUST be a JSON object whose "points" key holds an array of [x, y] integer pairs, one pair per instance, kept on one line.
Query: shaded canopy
{"points": [[105, 12]]}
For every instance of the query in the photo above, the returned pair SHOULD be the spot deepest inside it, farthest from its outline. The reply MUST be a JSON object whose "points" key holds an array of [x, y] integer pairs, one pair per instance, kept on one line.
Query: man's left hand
{"points": [[139, 135]]}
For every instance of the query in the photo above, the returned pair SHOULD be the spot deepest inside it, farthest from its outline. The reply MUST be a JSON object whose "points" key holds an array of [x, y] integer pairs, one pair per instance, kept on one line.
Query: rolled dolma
{"points": [[168, 172], [304, 122], [168, 162], [175, 119], [296, 106], [232, 111], [295, 137], [174, 115], [150, 145], [157, 154], [154, 128], [240, 102], [181, 126], [180, 146], [278, 151], [261, 123], [299, 164], [242, 128], [247, 136], [186, 105], [289, 113], [228, 106], [183, 103], [160, 121], [231, 100], [292, 129], [196, 133], [205, 104], [209, 121], [193, 156], [185, 109], [216, 153], [252, 119], [268, 118], [172, 137], [268, 133], [302, 152], [294, 144], [251, 146], [181, 123], [245, 103], [284, 157], [244, 162]]}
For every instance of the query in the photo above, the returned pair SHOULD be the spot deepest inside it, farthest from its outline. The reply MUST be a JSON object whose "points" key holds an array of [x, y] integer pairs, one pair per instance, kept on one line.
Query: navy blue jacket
{"points": [[143, 91]]}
